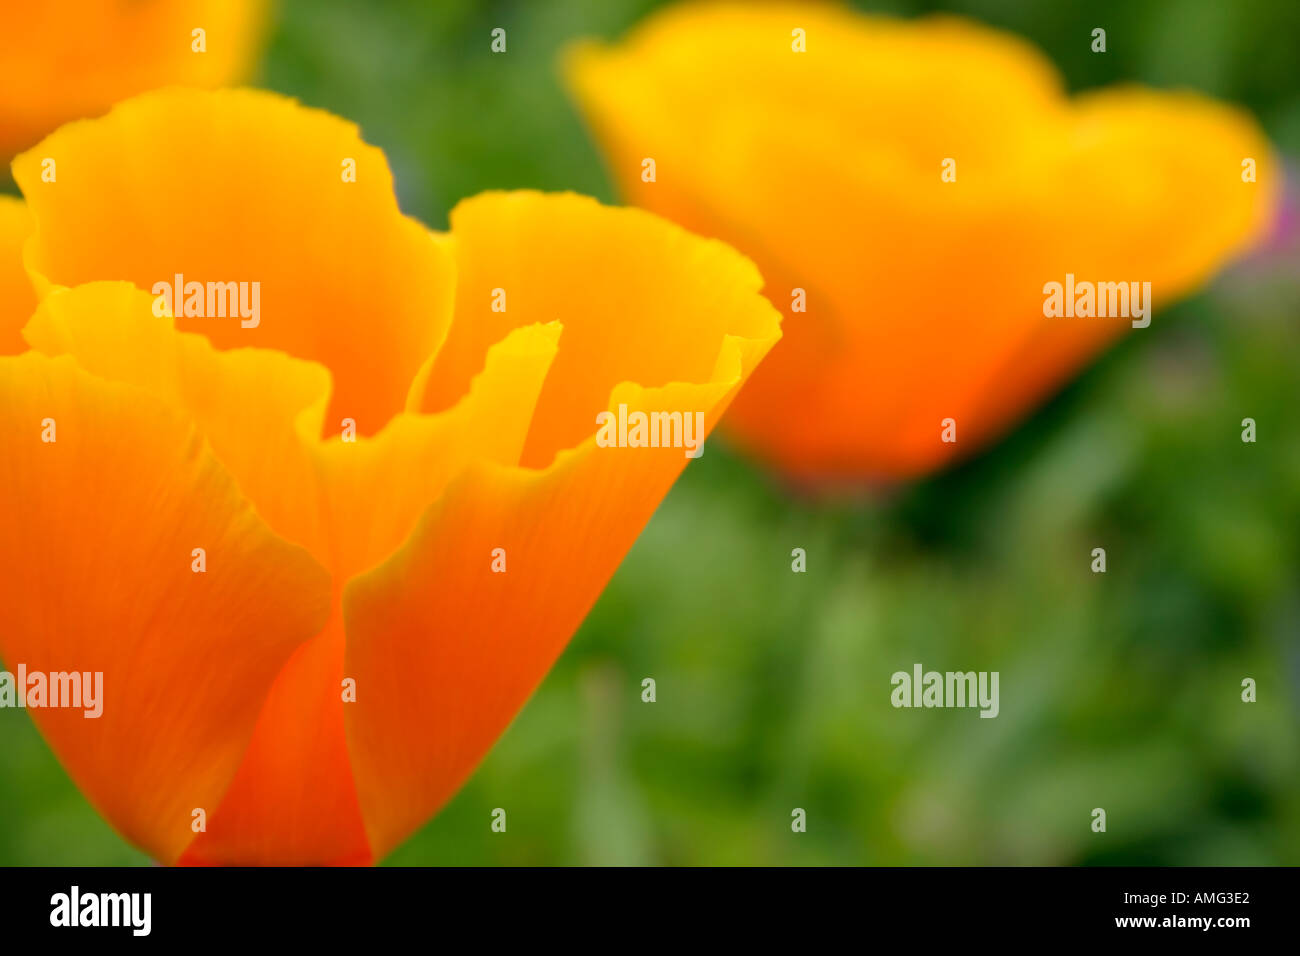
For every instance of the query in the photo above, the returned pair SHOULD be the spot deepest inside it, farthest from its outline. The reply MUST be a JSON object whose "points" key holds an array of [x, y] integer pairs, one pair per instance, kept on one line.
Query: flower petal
{"points": [[1170, 215], [444, 649], [293, 801], [260, 410], [77, 57], [96, 576], [244, 186], [415, 456], [660, 314], [17, 298]]}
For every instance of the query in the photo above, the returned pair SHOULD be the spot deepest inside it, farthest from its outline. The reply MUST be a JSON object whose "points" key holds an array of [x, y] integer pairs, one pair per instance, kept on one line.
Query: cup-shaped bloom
{"points": [[73, 58], [910, 192], [322, 493]]}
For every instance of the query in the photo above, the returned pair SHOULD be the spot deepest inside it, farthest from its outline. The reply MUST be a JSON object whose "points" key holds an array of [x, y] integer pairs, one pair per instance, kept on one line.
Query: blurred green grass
{"points": [[1119, 690]]}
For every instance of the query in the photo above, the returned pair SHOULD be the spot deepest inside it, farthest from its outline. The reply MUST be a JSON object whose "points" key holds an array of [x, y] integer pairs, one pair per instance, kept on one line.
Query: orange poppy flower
{"points": [[322, 543], [76, 58], [909, 191]]}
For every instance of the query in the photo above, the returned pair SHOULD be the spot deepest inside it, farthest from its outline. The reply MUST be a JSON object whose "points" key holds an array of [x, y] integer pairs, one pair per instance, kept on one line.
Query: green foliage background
{"points": [[1119, 691]]}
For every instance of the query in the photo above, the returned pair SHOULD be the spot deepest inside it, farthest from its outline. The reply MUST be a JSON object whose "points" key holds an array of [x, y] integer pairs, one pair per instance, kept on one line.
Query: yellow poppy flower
{"points": [[323, 540], [911, 191], [74, 58]]}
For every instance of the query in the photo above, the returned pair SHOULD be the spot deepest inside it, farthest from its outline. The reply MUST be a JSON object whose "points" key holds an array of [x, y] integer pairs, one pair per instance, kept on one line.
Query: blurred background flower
{"points": [[908, 190], [1118, 690], [68, 59]]}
